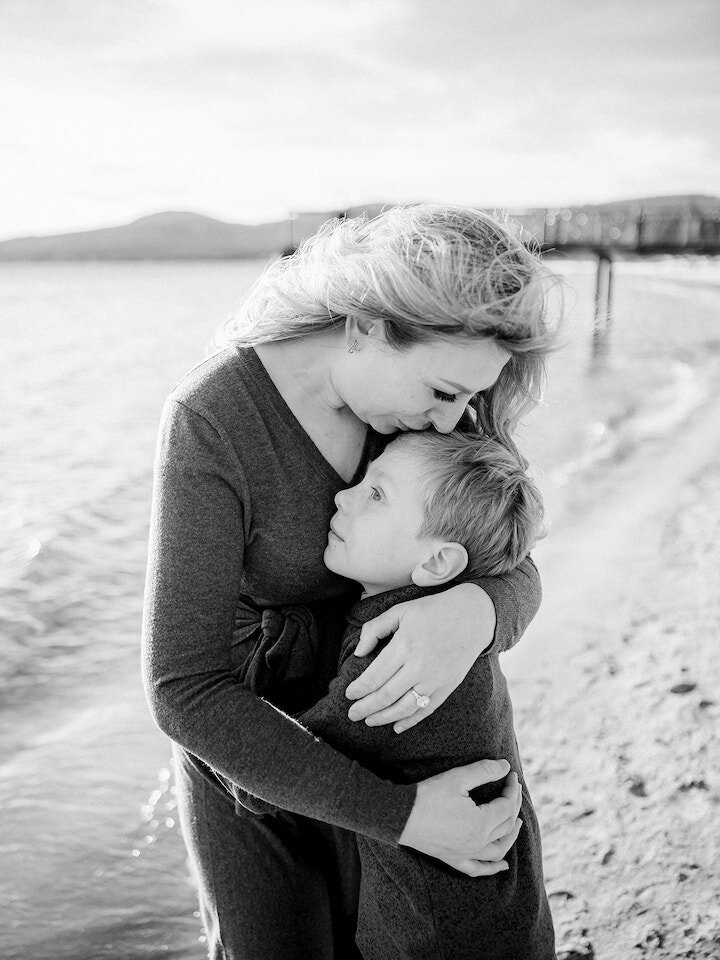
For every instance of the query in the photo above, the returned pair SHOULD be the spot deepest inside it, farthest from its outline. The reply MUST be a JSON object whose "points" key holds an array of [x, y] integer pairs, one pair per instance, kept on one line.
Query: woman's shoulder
{"points": [[216, 385]]}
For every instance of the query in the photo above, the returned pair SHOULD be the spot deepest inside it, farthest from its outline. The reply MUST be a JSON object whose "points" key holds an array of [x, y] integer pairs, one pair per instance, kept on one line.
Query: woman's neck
{"points": [[303, 366]]}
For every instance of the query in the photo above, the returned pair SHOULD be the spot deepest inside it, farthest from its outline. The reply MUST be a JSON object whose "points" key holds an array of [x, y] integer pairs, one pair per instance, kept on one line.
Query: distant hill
{"points": [[161, 236], [190, 236], [697, 204]]}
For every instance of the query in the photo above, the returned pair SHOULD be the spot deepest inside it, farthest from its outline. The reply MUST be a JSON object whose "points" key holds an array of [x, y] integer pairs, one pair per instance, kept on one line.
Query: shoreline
{"points": [[614, 689]]}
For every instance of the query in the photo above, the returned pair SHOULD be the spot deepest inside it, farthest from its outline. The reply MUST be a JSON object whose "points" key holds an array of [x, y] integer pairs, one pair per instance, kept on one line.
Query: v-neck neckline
{"points": [[301, 435]]}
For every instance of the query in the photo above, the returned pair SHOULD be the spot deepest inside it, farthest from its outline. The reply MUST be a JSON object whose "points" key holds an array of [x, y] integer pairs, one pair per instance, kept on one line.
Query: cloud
{"points": [[233, 106], [71, 28]]}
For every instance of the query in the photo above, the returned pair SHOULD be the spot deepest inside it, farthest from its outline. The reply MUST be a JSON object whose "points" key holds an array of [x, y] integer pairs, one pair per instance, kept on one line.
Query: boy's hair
{"points": [[476, 492]]}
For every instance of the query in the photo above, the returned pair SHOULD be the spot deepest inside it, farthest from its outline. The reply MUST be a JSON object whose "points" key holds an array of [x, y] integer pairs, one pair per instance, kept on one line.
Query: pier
{"points": [[610, 235]]}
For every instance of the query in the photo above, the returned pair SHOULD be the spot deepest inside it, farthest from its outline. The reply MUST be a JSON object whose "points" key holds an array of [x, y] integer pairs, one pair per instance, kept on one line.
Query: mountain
{"points": [[696, 204], [190, 236], [161, 236]]}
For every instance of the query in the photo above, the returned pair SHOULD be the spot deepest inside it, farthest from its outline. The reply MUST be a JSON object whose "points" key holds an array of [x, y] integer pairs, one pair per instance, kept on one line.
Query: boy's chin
{"points": [[331, 564]]}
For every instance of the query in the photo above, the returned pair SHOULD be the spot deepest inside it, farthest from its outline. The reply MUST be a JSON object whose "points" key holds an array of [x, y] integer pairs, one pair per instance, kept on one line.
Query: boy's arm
{"points": [[378, 748], [467, 729], [455, 736], [328, 718], [328, 721]]}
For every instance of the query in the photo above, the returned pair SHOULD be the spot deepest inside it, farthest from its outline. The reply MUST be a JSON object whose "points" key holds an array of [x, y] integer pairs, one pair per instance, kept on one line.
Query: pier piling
{"points": [[603, 304]]}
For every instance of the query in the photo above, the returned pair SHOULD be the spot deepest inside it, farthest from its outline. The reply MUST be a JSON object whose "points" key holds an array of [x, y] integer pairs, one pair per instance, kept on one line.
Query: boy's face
{"points": [[373, 536]]}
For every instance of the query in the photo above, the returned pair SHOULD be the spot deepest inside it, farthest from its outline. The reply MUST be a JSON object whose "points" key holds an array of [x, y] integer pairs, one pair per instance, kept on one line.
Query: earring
{"points": [[353, 347]]}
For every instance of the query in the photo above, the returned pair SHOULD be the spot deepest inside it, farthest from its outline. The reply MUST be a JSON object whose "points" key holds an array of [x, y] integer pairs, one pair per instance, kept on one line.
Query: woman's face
{"points": [[428, 384]]}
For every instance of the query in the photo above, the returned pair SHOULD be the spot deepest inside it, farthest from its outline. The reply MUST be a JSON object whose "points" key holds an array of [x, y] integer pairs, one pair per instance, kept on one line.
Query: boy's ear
{"points": [[444, 564]]}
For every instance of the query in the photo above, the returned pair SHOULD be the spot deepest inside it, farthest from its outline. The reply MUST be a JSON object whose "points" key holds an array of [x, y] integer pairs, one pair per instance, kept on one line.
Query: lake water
{"points": [[91, 861]]}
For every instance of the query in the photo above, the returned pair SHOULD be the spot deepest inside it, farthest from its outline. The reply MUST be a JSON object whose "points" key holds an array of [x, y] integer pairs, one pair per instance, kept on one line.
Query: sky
{"points": [[114, 109]]}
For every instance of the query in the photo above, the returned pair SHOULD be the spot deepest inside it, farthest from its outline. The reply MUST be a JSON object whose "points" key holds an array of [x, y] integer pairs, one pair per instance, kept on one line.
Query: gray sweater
{"points": [[241, 507]]}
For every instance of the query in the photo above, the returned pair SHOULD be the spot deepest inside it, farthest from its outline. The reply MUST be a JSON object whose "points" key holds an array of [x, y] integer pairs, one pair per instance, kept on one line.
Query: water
{"points": [[92, 863]]}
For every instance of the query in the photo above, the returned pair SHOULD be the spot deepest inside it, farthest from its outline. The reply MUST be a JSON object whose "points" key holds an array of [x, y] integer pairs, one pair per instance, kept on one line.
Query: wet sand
{"points": [[617, 697]]}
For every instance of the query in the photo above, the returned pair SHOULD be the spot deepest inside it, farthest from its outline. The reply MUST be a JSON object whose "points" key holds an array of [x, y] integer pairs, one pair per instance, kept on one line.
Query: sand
{"points": [[617, 697]]}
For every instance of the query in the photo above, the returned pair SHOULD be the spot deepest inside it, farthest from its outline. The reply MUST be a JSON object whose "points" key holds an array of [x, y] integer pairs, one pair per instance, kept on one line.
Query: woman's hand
{"points": [[445, 822], [436, 641]]}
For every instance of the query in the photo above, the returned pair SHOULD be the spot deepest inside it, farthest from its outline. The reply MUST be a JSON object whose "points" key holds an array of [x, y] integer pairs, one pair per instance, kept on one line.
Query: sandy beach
{"points": [[616, 696]]}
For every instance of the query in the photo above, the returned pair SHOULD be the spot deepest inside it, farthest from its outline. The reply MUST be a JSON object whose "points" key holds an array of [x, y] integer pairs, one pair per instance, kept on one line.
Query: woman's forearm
{"points": [[194, 573], [516, 597], [252, 744], [435, 641]]}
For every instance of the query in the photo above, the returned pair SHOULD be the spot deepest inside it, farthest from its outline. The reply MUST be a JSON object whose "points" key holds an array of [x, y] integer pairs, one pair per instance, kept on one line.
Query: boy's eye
{"points": [[447, 397], [375, 494]]}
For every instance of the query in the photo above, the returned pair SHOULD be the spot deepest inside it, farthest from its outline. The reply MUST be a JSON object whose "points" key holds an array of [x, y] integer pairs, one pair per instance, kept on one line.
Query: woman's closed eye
{"points": [[447, 397]]}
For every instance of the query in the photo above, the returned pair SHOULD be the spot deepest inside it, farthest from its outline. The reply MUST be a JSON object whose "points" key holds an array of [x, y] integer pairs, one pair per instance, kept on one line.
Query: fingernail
{"points": [[520, 823], [505, 867], [352, 716], [369, 722]]}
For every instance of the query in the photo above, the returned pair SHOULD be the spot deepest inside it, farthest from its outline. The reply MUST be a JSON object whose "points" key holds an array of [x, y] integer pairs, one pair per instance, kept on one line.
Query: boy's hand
{"points": [[435, 642]]}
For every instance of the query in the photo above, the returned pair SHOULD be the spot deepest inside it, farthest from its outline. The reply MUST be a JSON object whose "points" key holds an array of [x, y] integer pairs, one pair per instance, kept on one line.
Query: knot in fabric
{"points": [[275, 650]]}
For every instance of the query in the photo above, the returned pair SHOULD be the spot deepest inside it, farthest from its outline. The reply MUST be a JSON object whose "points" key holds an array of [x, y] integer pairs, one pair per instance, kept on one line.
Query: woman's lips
{"points": [[404, 426], [333, 532]]}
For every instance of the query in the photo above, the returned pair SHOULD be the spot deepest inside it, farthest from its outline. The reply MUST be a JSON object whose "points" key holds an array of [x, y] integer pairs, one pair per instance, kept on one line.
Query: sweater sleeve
{"points": [[516, 597], [328, 718], [193, 581]]}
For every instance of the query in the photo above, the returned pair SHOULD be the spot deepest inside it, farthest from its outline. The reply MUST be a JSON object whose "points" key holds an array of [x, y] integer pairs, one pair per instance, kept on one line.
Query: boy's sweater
{"points": [[413, 906]]}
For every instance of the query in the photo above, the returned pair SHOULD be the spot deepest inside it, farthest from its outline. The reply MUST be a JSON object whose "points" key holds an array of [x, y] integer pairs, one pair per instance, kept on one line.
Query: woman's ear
{"points": [[446, 562], [359, 328]]}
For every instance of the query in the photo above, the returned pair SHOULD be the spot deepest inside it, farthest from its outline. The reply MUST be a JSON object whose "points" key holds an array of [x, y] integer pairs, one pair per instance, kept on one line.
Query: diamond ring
{"points": [[421, 701]]}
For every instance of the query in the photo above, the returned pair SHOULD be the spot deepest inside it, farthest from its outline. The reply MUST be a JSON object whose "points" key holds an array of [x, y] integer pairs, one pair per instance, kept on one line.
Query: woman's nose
{"points": [[445, 420]]}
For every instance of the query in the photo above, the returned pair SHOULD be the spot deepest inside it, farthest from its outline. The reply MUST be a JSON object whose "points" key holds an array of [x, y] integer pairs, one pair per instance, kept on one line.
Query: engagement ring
{"points": [[421, 701]]}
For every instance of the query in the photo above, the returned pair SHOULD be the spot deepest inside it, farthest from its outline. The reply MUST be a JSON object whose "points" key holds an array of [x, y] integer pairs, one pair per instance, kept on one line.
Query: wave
{"points": [[71, 589]]}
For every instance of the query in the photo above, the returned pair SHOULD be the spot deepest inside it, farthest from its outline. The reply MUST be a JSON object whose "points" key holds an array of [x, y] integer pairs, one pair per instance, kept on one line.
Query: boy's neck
{"points": [[373, 590], [372, 605]]}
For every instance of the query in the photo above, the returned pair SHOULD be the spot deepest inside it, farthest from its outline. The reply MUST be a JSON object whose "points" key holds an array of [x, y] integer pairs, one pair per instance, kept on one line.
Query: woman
{"points": [[410, 320]]}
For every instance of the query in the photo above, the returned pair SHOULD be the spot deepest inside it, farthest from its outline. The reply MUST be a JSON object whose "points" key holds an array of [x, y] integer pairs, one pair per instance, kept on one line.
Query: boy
{"points": [[431, 508]]}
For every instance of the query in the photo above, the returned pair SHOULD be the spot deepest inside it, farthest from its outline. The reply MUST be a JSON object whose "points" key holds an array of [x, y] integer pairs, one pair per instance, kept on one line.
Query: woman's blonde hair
{"points": [[475, 491], [428, 271]]}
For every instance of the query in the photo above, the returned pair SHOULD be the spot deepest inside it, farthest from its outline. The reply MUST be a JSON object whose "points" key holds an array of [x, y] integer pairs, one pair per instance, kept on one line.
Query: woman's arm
{"points": [[194, 572], [515, 598], [193, 585], [487, 615]]}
